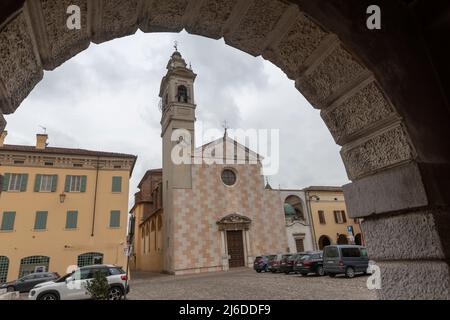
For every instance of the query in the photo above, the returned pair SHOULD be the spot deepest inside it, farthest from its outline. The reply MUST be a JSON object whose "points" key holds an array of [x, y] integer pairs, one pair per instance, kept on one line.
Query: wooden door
{"points": [[235, 245], [299, 245]]}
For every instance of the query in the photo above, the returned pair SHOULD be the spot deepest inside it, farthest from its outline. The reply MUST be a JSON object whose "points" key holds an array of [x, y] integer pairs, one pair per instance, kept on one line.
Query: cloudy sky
{"points": [[106, 98]]}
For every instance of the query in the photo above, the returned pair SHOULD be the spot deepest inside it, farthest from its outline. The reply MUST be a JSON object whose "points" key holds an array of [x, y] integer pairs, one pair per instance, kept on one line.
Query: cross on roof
{"points": [[175, 45], [225, 126]]}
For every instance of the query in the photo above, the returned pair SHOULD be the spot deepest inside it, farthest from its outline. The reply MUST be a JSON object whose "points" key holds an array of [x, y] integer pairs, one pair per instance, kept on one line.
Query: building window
{"points": [[90, 258], [77, 165], [71, 219], [228, 177], [114, 219], [116, 184], [15, 182], [322, 217], [182, 94], [8, 221], [48, 164], [45, 183], [4, 266], [75, 184], [40, 222], [33, 264], [339, 216]]}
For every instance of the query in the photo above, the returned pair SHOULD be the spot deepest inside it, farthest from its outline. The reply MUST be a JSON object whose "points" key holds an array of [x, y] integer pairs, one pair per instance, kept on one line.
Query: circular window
{"points": [[228, 177]]}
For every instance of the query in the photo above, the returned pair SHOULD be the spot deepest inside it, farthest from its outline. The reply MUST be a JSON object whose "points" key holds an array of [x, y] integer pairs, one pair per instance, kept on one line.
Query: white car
{"points": [[73, 286]]}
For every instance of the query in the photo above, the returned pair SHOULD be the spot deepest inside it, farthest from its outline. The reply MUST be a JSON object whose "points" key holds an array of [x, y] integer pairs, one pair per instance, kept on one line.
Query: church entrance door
{"points": [[235, 246]]}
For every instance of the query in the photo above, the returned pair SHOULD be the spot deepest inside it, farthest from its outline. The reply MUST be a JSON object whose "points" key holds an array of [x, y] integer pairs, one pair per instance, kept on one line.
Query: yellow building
{"points": [[148, 211], [61, 207], [330, 221]]}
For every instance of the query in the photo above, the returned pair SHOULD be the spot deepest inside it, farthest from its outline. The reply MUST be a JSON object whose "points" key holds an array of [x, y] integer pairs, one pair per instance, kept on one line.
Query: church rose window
{"points": [[228, 177]]}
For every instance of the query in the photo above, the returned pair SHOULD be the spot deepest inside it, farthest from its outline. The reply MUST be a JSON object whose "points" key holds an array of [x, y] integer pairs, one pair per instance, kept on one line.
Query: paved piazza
{"points": [[246, 284]]}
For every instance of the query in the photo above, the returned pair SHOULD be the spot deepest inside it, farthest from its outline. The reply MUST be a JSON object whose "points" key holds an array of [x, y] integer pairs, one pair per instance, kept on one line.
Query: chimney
{"points": [[41, 141], [2, 137]]}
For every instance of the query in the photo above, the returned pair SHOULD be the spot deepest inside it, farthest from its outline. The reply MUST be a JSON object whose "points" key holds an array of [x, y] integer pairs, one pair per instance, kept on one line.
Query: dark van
{"points": [[345, 259]]}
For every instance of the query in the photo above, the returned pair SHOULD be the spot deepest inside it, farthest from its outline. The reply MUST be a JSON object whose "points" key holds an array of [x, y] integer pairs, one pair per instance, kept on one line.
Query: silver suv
{"points": [[72, 286]]}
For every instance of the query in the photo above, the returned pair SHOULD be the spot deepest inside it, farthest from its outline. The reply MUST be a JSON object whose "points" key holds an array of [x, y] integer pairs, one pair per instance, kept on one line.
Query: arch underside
{"points": [[365, 98]]}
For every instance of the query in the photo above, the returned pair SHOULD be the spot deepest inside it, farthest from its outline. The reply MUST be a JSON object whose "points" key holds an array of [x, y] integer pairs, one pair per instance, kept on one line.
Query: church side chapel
{"points": [[203, 215]]}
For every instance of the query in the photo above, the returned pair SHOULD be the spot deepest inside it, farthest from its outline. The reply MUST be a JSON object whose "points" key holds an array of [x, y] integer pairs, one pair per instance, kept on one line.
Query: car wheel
{"points": [[48, 296], [10, 289], [350, 272], [273, 271], [259, 271], [115, 293], [332, 275], [319, 271], [304, 274]]}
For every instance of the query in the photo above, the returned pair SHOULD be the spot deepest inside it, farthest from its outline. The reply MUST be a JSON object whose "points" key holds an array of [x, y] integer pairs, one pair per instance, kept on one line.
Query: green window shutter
{"points": [[54, 182], [37, 183], [83, 183], [71, 219], [41, 220], [6, 178], [116, 184], [23, 182], [114, 219], [8, 221], [67, 184]]}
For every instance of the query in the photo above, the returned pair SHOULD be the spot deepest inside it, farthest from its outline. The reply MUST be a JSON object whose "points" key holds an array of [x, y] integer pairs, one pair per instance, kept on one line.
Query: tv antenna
{"points": [[43, 128]]}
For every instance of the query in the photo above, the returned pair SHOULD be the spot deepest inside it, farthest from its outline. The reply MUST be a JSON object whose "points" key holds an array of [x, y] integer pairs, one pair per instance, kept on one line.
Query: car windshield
{"points": [[272, 257], [331, 252], [305, 257], [63, 278]]}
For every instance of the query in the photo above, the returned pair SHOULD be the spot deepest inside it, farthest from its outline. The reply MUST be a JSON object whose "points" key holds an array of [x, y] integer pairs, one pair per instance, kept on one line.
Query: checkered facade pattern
{"points": [[197, 239]]}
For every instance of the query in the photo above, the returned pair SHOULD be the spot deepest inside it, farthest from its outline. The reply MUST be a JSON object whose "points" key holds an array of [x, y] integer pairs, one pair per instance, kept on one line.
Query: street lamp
{"points": [[62, 197]]}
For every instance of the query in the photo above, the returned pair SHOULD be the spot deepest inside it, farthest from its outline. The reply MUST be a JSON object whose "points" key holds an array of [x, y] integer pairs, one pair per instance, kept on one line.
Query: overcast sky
{"points": [[106, 98]]}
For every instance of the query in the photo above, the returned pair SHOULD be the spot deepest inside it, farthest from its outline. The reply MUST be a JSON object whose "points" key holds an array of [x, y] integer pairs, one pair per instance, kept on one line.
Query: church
{"points": [[209, 213]]}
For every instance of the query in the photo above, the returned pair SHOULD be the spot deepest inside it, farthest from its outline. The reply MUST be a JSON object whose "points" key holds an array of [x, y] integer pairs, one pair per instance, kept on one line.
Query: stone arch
{"points": [[358, 239], [392, 145], [324, 241], [293, 202], [342, 239]]}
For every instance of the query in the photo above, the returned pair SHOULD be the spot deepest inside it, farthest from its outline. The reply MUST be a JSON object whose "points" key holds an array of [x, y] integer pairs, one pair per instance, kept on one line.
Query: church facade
{"points": [[215, 212]]}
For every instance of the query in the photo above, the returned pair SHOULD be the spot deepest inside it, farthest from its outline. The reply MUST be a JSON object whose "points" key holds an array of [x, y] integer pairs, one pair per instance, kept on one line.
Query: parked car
{"points": [[261, 263], [276, 261], [72, 286], [345, 259], [26, 283], [287, 263], [312, 262]]}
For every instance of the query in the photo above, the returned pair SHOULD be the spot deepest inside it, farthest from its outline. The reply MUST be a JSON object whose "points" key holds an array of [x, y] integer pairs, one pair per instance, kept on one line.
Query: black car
{"points": [[26, 283], [261, 264], [287, 263], [312, 262]]}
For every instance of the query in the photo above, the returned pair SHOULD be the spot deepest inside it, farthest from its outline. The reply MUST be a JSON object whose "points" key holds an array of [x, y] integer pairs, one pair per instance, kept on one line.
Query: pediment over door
{"points": [[234, 221]]}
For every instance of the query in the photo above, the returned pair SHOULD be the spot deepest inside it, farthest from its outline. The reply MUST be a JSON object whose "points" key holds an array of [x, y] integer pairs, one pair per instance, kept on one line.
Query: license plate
{"points": [[300, 264]]}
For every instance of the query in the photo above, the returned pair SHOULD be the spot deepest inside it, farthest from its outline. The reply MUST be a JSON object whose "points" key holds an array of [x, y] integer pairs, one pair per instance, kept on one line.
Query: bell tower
{"points": [[177, 106]]}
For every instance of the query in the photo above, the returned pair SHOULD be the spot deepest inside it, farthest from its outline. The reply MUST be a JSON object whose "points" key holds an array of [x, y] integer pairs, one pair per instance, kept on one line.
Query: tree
{"points": [[98, 287]]}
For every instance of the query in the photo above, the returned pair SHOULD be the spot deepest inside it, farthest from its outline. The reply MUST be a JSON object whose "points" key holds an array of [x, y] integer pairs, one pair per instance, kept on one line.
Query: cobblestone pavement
{"points": [[246, 284]]}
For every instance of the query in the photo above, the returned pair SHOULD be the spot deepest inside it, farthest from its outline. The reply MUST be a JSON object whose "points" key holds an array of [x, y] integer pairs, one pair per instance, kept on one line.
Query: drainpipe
{"points": [[95, 196]]}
